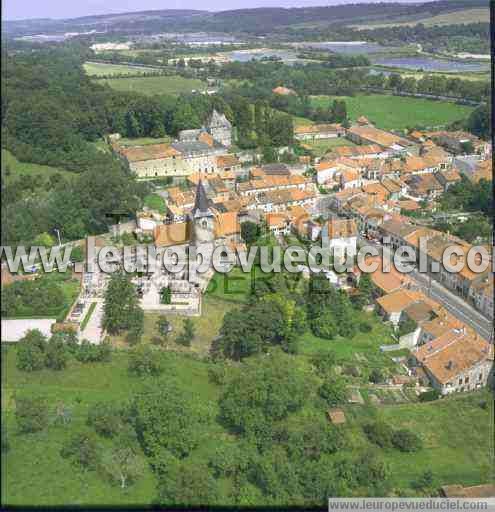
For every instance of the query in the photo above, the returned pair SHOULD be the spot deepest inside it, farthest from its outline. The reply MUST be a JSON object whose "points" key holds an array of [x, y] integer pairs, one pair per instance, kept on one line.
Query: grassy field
{"points": [[143, 141], [301, 121], [454, 450], [322, 147], [478, 15], [172, 85], [155, 202], [13, 169], [395, 112], [206, 327], [33, 472], [101, 69]]}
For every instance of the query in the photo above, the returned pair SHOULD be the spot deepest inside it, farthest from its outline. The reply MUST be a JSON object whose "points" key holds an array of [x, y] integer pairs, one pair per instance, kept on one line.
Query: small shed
{"points": [[336, 416]]}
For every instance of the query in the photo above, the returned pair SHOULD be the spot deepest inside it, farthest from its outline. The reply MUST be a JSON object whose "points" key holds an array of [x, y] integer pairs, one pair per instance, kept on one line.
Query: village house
{"points": [[255, 187], [315, 132], [481, 295], [283, 91], [278, 223], [459, 282], [280, 200], [396, 231], [448, 178], [228, 163], [368, 134], [385, 282], [456, 361], [340, 235], [392, 305], [339, 200], [358, 152], [460, 143], [424, 186]]}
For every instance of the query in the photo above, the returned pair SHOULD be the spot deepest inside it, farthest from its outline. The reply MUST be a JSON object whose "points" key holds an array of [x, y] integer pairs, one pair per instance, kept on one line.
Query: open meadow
{"points": [[104, 69], [396, 112], [320, 148], [477, 15], [151, 85], [13, 169]]}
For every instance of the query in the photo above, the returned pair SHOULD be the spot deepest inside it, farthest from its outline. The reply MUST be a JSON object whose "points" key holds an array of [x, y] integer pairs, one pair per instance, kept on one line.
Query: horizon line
{"points": [[119, 13]]}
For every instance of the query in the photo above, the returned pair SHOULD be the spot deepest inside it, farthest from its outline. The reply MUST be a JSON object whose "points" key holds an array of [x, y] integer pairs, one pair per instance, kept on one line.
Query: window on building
{"points": [[466, 380], [460, 382]]}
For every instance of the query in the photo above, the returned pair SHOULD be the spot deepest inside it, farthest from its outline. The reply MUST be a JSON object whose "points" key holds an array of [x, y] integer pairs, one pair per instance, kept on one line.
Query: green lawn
{"points": [[322, 147], [206, 326], [396, 112], [13, 169], [101, 69], [173, 85], [301, 121], [455, 431], [155, 202], [143, 141]]}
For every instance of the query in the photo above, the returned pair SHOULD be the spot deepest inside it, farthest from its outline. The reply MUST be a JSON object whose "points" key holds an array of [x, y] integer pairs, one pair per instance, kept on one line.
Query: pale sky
{"points": [[23, 9]]}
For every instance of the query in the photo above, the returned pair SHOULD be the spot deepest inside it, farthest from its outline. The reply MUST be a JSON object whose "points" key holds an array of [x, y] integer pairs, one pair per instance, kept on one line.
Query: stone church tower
{"points": [[220, 129], [203, 224]]}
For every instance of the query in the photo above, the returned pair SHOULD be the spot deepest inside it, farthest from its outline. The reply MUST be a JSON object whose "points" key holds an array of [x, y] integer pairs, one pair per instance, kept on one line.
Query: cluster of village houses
{"points": [[357, 191]]}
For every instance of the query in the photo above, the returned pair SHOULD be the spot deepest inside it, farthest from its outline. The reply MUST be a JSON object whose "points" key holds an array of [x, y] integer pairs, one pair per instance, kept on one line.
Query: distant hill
{"points": [[260, 21]]}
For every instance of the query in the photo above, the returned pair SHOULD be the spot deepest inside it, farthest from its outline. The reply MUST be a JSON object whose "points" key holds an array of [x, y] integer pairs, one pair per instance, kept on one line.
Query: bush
{"points": [[82, 449], [56, 353], [379, 433], [333, 391], [105, 418], [324, 362], [187, 335], [31, 351], [429, 396], [406, 441], [324, 326], [365, 327], [484, 405], [376, 376], [31, 414], [86, 352], [217, 374], [145, 361]]}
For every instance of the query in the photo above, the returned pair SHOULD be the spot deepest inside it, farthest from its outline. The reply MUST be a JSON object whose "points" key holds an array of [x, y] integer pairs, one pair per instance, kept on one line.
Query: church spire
{"points": [[201, 203]]}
